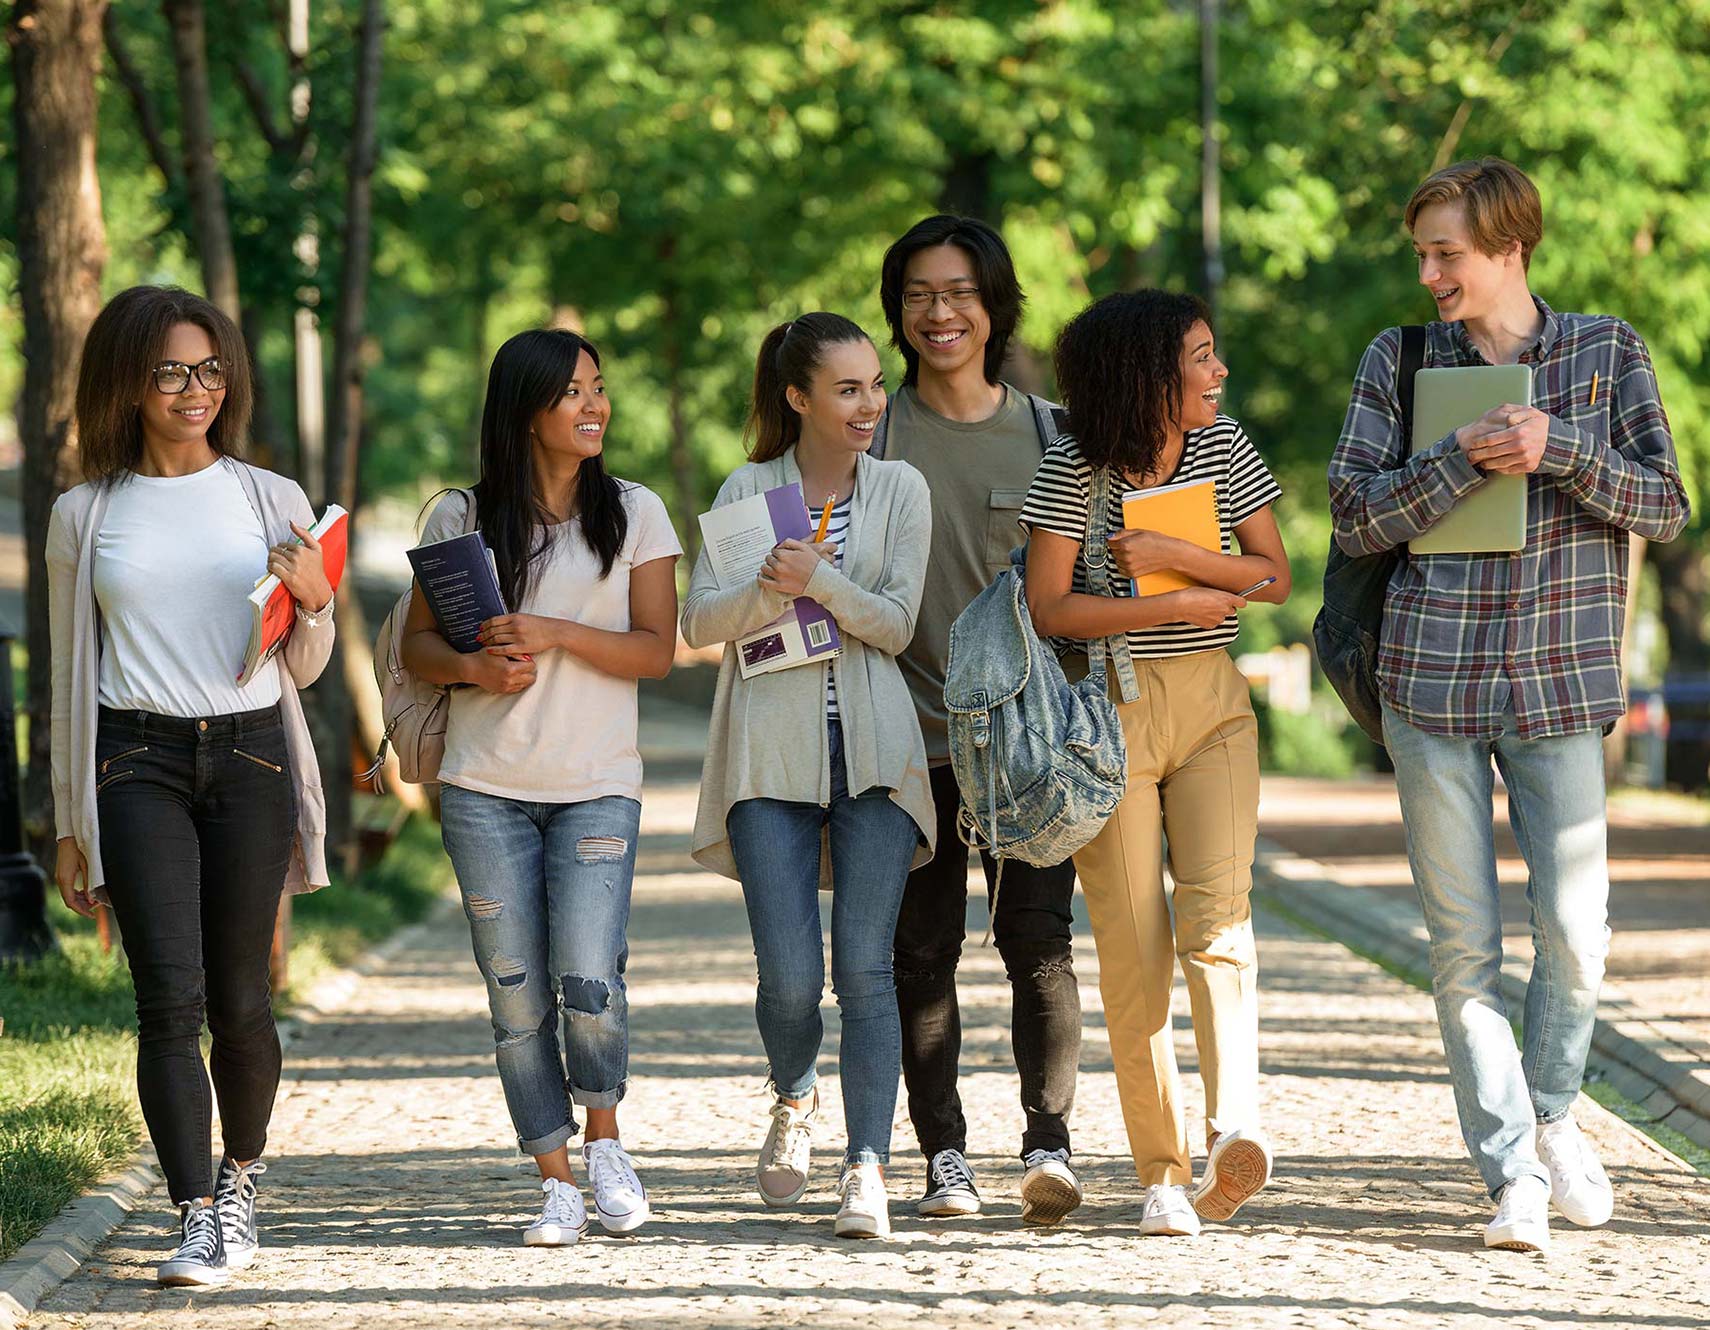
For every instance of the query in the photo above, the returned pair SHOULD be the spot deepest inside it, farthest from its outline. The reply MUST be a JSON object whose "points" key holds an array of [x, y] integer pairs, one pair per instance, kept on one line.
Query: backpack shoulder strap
{"points": [[1050, 421], [1411, 362], [881, 431], [1095, 554], [469, 512]]}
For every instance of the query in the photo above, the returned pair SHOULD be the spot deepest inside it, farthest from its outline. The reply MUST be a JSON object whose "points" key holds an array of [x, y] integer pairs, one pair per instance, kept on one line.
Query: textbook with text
{"points": [[273, 609], [461, 583], [738, 537], [1187, 511]]}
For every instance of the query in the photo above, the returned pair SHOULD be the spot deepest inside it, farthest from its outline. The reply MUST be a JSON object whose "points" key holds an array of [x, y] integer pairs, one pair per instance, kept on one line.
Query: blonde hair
{"points": [[1502, 204]]}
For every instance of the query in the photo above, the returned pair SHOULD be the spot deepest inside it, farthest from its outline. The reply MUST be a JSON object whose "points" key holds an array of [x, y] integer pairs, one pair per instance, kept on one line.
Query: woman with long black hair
{"points": [[541, 782], [186, 800]]}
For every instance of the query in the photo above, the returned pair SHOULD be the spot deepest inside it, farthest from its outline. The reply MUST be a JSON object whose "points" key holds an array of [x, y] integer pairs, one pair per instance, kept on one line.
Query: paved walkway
{"points": [[394, 1200], [1658, 984]]}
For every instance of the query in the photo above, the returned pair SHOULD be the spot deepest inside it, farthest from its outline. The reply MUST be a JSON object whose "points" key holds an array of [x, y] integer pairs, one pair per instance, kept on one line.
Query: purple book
{"points": [[790, 522]]}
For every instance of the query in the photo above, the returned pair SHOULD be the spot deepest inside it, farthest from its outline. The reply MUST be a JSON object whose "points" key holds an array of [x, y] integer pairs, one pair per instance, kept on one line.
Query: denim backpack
{"points": [[1345, 634], [1040, 762]]}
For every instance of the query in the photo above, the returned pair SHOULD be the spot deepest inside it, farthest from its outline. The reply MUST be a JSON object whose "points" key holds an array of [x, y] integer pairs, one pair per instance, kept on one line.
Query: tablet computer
{"points": [[1492, 518]]}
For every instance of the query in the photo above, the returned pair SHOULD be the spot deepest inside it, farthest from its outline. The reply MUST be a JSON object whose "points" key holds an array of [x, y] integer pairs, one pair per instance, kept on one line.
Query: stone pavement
{"points": [[1657, 989], [395, 1197]]}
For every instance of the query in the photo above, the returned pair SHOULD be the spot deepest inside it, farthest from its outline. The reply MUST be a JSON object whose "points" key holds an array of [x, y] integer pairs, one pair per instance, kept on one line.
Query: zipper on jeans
{"points": [[259, 761], [118, 757], [105, 781]]}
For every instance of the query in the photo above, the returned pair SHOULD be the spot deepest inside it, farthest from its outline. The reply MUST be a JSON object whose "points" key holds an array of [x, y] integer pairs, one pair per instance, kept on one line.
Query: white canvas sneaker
{"points": [[1578, 1185], [866, 1210], [1236, 1171], [1168, 1212], [563, 1219], [782, 1173], [1522, 1221], [620, 1200]]}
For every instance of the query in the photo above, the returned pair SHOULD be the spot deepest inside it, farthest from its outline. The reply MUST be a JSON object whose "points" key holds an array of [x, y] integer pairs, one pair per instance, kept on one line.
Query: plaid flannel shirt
{"points": [[1469, 637]]}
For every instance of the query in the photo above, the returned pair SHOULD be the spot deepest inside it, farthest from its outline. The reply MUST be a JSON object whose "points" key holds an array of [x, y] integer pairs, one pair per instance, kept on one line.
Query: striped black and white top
{"points": [[1222, 452], [835, 532]]}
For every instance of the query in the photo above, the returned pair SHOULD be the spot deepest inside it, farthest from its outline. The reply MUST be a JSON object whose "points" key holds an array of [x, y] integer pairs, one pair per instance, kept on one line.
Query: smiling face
{"points": [[846, 399], [179, 420], [575, 426], [1202, 378], [1465, 282], [947, 340]]}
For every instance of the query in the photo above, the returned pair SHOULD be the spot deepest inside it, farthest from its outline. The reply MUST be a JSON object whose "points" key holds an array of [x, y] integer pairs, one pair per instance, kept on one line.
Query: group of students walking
{"points": [[189, 803]]}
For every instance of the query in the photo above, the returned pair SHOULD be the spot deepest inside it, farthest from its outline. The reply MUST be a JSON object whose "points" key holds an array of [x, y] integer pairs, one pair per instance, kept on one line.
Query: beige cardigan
{"points": [[768, 737], [74, 621]]}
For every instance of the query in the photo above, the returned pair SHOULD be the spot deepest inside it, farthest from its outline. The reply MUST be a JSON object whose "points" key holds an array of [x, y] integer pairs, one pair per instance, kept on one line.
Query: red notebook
{"points": [[273, 609]]}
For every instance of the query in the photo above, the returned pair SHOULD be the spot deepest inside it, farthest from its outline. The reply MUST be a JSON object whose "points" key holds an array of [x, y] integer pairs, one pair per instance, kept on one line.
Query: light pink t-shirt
{"points": [[571, 735]]}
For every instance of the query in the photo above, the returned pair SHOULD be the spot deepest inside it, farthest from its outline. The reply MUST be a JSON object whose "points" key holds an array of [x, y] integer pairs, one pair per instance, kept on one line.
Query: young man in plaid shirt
{"points": [[1512, 657]]}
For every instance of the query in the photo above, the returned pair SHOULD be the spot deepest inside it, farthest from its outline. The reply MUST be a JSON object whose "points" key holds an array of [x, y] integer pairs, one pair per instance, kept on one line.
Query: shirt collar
{"points": [[1534, 354]]}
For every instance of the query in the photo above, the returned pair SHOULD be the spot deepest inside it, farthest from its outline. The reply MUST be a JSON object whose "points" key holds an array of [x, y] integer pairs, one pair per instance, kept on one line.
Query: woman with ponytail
{"points": [[828, 752], [541, 780]]}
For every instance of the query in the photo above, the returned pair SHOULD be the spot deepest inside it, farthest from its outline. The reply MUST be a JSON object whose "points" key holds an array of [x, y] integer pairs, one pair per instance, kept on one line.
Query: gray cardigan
{"points": [[768, 736], [74, 621]]}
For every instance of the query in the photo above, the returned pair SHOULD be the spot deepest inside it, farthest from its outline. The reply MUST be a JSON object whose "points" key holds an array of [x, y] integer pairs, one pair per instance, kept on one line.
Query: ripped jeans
{"points": [[546, 890]]}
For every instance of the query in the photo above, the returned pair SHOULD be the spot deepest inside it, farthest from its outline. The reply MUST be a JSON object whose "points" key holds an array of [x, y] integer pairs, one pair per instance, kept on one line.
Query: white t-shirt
{"points": [[175, 560], [571, 735]]}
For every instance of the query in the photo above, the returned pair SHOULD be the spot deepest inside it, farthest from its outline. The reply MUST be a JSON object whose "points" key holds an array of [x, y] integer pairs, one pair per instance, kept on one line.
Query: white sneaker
{"points": [[782, 1174], [866, 1209], [1168, 1212], [619, 1198], [1049, 1188], [1578, 1185], [1522, 1220], [1236, 1171], [950, 1189], [562, 1221]]}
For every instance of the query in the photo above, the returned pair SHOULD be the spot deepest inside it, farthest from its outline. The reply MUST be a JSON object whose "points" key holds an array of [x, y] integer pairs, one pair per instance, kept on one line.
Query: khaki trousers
{"points": [[1193, 779]]}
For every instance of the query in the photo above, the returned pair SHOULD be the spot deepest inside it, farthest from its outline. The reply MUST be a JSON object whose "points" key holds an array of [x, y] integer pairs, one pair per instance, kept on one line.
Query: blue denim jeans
{"points": [[546, 890], [776, 844], [1556, 808]]}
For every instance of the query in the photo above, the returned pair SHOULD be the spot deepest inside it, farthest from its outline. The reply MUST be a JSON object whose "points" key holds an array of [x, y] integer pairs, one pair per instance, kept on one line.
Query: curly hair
{"points": [[1119, 372]]}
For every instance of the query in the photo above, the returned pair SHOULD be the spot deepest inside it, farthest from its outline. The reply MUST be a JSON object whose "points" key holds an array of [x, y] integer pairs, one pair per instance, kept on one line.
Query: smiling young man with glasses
{"points": [[952, 300]]}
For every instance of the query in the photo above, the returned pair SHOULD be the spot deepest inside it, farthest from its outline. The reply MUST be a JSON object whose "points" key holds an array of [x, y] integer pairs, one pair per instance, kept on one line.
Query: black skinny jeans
{"points": [[1032, 927], [197, 820]]}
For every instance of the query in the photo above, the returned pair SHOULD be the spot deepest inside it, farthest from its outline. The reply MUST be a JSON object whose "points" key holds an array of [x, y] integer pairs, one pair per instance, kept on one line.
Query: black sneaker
{"points": [[200, 1261], [234, 1200], [949, 1187]]}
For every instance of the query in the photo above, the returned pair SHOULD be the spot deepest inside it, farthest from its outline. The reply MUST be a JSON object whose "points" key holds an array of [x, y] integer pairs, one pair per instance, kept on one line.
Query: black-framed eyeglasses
{"points": [[957, 297], [173, 376]]}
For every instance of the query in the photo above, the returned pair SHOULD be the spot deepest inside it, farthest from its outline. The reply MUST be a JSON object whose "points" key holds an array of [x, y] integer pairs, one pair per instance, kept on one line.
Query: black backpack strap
{"points": [[1050, 421], [881, 432], [1411, 362]]}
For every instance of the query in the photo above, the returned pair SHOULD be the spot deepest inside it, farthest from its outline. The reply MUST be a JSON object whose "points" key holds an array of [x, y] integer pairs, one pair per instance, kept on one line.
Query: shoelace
{"points": [[232, 1201], [607, 1168], [950, 1169], [1034, 1158], [201, 1229], [1568, 1146], [858, 1185], [560, 1207], [795, 1135], [1162, 1198]]}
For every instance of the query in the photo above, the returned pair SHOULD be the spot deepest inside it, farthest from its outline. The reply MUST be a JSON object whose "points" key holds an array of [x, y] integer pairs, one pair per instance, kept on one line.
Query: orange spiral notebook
{"points": [[1187, 511]]}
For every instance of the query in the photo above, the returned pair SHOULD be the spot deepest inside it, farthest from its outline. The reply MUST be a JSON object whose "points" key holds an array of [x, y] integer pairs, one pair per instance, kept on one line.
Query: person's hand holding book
{"points": [[789, 567], [1137, 552], [300, 566]]}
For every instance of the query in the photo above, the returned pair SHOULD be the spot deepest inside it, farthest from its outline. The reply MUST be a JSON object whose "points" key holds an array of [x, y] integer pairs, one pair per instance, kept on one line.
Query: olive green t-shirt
{"points": [[979, 475]]}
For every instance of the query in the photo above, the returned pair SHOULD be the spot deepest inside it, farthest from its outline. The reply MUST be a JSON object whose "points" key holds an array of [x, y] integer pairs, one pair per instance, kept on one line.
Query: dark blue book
{"points": [[461, 584]]}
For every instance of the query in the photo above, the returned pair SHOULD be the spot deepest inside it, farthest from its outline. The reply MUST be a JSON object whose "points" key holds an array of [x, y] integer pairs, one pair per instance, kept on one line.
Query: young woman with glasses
{"points": [[821, 749], [540, 801], [183, 799]]}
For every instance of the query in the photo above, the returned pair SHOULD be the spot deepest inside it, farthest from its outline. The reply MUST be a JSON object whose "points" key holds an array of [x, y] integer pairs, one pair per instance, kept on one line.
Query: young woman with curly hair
{"points": [[1140, 375]]}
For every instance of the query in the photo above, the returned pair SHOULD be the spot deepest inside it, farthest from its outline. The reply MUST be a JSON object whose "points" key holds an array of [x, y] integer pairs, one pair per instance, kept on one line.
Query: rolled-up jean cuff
{"points": [[796, 1093], [598, 1098], [855, 1158], [1553, 1118], [553, 1140]]}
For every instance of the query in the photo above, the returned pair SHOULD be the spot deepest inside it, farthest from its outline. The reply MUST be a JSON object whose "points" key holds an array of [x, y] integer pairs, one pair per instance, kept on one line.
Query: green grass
{"points": [[68, 1113]]}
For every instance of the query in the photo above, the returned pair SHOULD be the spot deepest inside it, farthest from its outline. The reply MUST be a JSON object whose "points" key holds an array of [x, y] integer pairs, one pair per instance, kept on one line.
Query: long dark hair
{"points": [[529, 375], [994, 274], [1119, 372], [124, 344], [789, 355]]}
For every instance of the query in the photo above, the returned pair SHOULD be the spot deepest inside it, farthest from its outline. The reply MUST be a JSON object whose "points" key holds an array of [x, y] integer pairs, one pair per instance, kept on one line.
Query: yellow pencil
{"points": [[1593, 401], [825, 517]]}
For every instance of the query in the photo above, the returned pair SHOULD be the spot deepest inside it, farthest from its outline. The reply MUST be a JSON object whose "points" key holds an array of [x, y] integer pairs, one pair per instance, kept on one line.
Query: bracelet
{"points": [[316, 619]]}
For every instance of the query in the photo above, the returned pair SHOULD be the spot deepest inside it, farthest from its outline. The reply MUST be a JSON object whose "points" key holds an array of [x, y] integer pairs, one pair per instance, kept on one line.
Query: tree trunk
{"points": [[344, 428], [62, 248], [681, 446], [966, 189], [208, 218], [1683, 572], [1210, 159]]}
